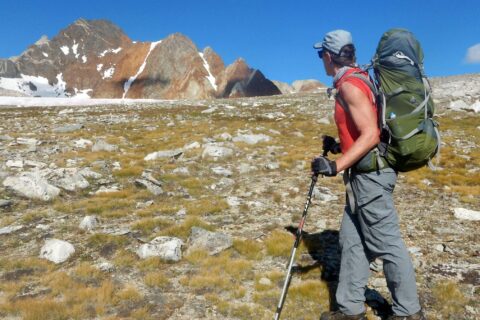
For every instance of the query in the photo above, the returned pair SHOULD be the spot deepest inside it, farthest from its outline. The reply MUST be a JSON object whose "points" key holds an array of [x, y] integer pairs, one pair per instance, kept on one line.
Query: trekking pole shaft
{"points": [[298, 238]]}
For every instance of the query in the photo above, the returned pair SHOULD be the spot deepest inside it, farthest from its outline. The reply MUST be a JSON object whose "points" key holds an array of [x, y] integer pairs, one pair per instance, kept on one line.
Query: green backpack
{"points": [[410, 138], [409, 135]]}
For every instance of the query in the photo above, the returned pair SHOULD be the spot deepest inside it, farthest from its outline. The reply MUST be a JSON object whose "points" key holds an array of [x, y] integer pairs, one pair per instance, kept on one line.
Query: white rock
{"points": [[246, 168], [251, 138], [181, 171], [32, 185], [155, 189], [89, 223], [35, 164], [106, 266], [167, 248], [233, 201], [324, 194], [14, 163], [164, 154], [10, 229], [88, 173], [458, 105], [212, 242], [265, 281], [27, 141], [193, 145], [225, 136], [210, 110], [216, 151], [104, 189], [68, 179], [57, 251], [466, 214], [222, 171], [475, 106], [102, 145], [272, 166], [323, 121], [82, 143]]}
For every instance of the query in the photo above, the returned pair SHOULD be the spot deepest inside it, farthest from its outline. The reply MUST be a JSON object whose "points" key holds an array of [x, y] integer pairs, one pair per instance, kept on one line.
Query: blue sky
{"points": [[273, 36]]}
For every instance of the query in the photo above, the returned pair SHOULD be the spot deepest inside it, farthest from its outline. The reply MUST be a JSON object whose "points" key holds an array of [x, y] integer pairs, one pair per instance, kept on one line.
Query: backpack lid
{"points": [[399, 49]]}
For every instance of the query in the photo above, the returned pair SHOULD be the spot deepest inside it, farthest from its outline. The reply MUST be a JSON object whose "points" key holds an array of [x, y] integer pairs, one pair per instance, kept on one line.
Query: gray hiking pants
{"points": [[372, 231]]}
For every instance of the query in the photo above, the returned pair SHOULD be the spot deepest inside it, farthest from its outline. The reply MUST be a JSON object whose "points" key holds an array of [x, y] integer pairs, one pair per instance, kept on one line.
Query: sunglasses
{"points": [[320, 54]]}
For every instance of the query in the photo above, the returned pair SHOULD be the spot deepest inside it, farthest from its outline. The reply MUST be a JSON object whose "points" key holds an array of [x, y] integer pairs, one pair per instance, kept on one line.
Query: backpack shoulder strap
{"points": [[365, 80]]}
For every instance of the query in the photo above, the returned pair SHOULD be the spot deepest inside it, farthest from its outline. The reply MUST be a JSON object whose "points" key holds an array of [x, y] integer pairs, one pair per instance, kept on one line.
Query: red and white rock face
{"points": [[95, 58]]}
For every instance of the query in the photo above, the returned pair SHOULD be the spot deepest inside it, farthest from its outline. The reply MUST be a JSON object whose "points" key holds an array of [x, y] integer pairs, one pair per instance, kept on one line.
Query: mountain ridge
{"points": [[95, 58]]}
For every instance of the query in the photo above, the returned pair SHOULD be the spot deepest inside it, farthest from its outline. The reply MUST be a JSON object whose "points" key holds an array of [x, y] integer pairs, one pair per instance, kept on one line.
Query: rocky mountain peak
{"points": [[96, 58], [42, 41]]}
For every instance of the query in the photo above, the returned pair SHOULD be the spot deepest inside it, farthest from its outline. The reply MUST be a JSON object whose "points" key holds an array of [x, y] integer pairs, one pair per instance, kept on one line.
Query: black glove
{"points": [[322, 165], [330, 145]]}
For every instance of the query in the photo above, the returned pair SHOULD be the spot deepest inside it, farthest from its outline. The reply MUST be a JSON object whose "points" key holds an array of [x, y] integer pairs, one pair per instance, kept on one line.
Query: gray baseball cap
{"points": [[334, 41]]}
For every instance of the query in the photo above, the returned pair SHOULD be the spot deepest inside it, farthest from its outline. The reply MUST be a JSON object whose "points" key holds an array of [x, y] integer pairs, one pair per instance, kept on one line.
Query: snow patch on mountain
{"points": [[45, 54], [128, 83], [115, 51], [210, 76], [35, 86], [65, 50], [107, 74], [74, 49], [84, 59], [99, 67]]}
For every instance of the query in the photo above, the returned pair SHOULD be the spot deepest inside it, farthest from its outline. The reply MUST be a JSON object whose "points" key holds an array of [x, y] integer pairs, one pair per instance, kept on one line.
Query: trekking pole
{"points": [[298, 238]]}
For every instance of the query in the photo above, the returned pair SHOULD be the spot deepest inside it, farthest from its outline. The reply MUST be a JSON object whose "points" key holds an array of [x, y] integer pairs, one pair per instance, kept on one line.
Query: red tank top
{"points": [[347, 130]]}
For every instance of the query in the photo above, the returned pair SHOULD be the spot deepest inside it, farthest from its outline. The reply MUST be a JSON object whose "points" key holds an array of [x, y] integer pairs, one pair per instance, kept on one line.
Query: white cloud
{"points": [[473, 54]]}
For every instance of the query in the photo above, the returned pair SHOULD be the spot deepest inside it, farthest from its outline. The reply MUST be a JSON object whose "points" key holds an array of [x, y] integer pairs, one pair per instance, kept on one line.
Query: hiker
{"points": [[370, 227]]}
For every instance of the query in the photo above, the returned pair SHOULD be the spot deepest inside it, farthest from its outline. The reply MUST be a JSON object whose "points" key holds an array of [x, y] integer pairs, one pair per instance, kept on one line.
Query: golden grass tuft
{"points": [[156, 279], [248, 248], [147, 225], [279, 243], [449, 300], [183, 230]]}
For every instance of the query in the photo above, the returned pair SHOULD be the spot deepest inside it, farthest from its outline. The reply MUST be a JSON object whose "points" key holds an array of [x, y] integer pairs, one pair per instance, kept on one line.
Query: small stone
{"points": [[251, 138], [265, 281], [181, 171], [439, 247], [466, 214], [10, 229], [167, 248], [233, 201], [143, 205], [193, 145], [181, 213], [106, 267], [102, 145], [57, 251], [212, 242], [68, 128], [89, 223], [5, 203], [222, 171], [153, 188], [164, 154], [82, 143], [14, 164], [272, 166], [323, 194], [216, 152], [32, 185]]}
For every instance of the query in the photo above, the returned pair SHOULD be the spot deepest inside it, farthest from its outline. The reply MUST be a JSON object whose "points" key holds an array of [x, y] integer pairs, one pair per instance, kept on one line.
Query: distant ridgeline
{"points": [[94, 58]]}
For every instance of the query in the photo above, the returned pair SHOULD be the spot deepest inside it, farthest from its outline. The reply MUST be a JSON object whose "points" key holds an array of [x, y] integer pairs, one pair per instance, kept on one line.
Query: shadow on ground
{"points": [[324, 253]]}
